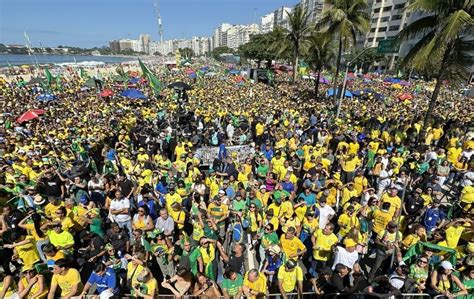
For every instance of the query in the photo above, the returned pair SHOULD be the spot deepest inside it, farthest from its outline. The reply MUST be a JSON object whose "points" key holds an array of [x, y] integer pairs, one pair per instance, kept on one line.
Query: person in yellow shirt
{"points": [[172, 197], [348, 191], [291, 246], [53, 205], [277, 162], [323, 241], [347, 221], [255, 284], [381, 218], [395, 201], [419, 234], [219, 212], [290, 277], [360, 182], [349, 166], [67, 279], [31, 284], [8, 287]]}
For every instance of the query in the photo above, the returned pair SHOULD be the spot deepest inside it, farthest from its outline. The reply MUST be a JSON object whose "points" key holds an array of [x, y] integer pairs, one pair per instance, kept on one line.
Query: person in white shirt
{"points": [[347, 256], [120, 212], [325, 213]]}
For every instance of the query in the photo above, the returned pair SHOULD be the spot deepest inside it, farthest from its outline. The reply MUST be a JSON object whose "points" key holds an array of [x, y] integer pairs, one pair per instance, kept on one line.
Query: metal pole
{"points": [[345, 80], [339, 104]]}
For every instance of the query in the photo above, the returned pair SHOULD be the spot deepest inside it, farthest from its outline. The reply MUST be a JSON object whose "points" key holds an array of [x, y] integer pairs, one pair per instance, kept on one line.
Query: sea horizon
{"points": [[45, 59]]}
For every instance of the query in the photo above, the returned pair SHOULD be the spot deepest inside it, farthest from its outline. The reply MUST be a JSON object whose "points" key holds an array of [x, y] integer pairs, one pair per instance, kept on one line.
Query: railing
{"points": [[311, 295]]}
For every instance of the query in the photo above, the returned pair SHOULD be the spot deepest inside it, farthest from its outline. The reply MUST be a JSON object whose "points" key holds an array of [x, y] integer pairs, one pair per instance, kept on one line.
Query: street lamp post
{"points": [[339, 104]]}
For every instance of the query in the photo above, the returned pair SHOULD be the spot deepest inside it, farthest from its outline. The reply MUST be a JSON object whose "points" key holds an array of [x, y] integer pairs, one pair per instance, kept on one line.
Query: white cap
{"points": [[447, 265]]}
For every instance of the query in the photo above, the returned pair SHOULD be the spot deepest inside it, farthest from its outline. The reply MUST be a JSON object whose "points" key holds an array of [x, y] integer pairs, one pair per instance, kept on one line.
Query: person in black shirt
{"points": [[51, 185], [126, 186], [118, 238], [236, 259], [413, 203]]}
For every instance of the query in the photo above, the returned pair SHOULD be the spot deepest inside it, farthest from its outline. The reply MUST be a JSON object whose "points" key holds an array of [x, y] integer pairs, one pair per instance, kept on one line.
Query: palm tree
{"points": [[278, 43], [344, 21], [445, 42], [320, 54], [299, 30]]}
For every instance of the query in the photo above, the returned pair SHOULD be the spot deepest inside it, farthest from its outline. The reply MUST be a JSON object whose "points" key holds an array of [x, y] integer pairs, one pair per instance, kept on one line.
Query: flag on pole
{"points": [[48, 75], [153, 81], [83, 73], [58, 82]]}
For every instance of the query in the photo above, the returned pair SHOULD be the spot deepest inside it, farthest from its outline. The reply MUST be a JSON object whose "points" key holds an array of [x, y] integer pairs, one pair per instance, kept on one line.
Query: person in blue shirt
{"points": [[104, 278], [434, 217], [308, 196]]}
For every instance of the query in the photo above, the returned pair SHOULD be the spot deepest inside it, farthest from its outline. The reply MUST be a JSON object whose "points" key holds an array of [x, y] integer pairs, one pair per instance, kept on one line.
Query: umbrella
{"points": [[397, 86], [392, 80], [90, 83], [106, 93], [347, 94], [29, 115], [134, 80], [46, 97], [210, 74], [234, 72], [192, 76], [405, 96], [133, 94], [357, 93], [180, 85], [323, 80], [404, 83], [189, 71], [204, 68]]}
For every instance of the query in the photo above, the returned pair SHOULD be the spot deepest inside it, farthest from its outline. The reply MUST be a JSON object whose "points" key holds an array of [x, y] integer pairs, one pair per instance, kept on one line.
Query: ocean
{"points": [[6, 59]]}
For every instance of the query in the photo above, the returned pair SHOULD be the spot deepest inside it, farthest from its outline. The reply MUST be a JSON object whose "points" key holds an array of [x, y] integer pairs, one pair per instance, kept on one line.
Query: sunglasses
{"points": [[267, 228], [252, 207], [423, 262], [141, 211]]}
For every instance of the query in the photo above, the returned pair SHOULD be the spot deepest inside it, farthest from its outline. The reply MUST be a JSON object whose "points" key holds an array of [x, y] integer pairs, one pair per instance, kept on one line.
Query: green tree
{"points": [[258, 48], [216, 53], [445, 44], [320, 54], [366, 60], [279, 44], [344, 21], [297, 34], [186, 52], [3, 48]]}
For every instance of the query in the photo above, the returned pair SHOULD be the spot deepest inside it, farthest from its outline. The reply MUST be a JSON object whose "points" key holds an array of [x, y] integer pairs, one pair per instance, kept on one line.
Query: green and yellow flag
{"points": [[154, 82], [48, 75]]}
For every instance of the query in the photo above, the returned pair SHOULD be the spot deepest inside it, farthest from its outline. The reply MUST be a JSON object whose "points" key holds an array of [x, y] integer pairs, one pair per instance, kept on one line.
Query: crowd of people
{"points": [[106, 197]]}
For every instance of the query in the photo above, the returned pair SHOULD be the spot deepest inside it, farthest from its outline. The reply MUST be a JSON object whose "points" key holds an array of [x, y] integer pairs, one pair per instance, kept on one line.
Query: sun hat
{"points": [[274, 249], [38, 200]]}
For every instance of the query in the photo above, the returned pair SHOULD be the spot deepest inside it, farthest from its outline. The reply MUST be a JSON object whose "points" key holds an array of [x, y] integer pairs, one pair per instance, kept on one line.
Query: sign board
{"points": [[388, 46], [207, 154]]}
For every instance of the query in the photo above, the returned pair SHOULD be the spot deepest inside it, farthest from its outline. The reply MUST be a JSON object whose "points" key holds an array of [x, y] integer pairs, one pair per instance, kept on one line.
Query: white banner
{"points": [[207, 154]]}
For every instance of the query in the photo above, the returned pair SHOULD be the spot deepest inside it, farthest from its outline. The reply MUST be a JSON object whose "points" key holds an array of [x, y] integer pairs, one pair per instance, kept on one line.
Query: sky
{"points": [[93, 23]]}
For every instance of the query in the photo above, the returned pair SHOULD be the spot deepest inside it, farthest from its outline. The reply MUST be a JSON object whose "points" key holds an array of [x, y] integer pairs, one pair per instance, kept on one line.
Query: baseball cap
{"points": [[447, 265]]}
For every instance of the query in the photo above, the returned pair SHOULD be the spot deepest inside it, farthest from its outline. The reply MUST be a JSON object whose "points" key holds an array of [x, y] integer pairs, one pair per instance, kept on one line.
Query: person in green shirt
{"points": [[268, 238], [238, 204], [232, 284]]}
